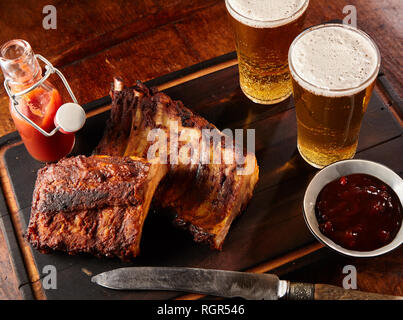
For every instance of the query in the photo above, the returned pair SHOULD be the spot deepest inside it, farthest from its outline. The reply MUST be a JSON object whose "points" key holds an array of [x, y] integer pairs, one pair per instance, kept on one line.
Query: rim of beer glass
{"points": [[334, 92], [270, 23]]}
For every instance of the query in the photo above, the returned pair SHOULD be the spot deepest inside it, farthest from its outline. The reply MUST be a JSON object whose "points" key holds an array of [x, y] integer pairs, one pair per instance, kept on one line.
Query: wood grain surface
{"points": [[144, 39]]}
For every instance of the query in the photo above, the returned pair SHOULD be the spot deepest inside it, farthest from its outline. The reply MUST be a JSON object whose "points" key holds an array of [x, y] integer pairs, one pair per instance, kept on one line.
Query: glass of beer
{"points": [[333, 69], [264, 30]]}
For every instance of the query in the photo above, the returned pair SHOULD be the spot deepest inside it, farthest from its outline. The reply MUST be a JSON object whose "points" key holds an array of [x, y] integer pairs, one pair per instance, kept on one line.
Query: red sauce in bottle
{"points": [[40, 106], [359, 212]]}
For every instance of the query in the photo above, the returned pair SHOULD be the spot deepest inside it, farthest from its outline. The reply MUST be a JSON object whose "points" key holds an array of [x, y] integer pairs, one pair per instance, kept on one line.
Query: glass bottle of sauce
{"points": [[22, 70]]}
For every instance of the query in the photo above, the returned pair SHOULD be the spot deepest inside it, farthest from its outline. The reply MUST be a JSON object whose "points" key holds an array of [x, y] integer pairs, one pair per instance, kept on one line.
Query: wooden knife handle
{"points": [[307, 291], [327, 292]]}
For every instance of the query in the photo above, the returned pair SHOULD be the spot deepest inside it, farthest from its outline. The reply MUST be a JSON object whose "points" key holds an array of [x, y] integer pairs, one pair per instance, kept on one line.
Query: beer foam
{"points": [[266, 13], [334, 57]]}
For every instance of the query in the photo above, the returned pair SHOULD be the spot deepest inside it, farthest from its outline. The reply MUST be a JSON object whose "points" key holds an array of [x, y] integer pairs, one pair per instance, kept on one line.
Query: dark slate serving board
{"points": [[272, 224]]}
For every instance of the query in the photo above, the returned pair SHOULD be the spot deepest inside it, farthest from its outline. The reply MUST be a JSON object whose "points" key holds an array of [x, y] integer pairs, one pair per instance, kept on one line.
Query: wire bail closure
{"points": [[49, 70]]}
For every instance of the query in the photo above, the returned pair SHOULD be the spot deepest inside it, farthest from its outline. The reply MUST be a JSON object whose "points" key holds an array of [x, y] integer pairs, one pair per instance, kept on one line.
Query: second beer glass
{"points": [[264, 30], [333, 68]]}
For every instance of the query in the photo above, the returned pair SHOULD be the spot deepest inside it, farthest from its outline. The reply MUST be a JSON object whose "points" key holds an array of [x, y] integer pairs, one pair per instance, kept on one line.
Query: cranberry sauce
{"points": [[359, 212]]}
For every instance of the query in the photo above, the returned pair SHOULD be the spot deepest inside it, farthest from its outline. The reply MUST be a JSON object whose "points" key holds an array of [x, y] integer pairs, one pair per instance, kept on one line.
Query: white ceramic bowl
{"points": [[335, 171]]}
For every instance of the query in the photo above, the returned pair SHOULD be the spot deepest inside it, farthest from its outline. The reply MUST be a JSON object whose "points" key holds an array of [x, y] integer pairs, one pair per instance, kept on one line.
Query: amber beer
{"points": [[333, 70], [264, 30]]}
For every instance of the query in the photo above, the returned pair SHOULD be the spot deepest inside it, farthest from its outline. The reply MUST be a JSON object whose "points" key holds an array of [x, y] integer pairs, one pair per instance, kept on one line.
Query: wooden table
{"points": [[144, 39]]}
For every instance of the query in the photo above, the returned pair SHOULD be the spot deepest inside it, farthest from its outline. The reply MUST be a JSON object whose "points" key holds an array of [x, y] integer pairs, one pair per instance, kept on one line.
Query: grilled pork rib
{"points": [[205, 196], [93, 204]]}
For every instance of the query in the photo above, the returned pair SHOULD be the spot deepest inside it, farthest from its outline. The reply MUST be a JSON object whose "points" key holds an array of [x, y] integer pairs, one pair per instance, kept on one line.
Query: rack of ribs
{"points": [[205, 195], [93, 205]]}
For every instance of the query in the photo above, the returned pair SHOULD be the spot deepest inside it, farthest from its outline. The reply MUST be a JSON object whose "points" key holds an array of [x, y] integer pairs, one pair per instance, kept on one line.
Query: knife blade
{"points": [[226, 284]]}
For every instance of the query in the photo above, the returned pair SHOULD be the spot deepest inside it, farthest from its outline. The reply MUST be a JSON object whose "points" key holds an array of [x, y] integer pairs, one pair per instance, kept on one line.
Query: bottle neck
{"points": [[19, 65]]}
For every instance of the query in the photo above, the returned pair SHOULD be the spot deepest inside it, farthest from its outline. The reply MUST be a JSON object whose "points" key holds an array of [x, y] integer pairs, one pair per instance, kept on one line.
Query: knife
{"points": [[226, 284]]}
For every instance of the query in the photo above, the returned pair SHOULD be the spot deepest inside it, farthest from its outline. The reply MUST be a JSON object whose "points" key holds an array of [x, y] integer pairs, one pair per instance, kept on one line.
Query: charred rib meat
{"points": [[205, 196], [93, 204]]}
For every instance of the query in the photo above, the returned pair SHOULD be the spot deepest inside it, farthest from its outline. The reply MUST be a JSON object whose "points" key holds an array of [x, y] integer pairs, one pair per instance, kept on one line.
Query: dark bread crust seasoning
{"points": [[92, 205], [205, 197]]}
